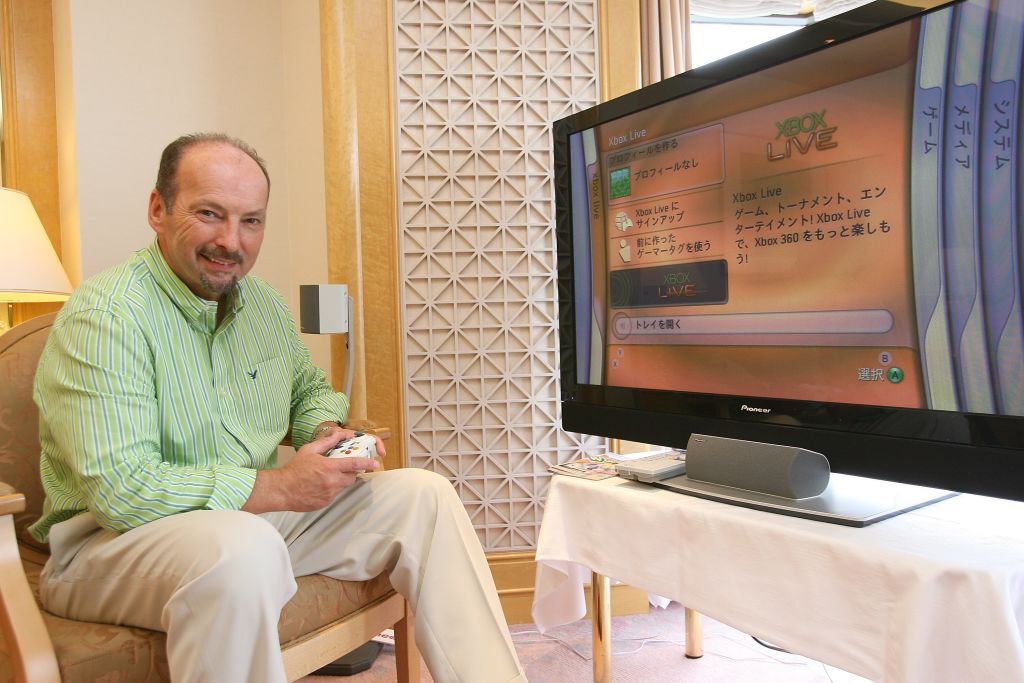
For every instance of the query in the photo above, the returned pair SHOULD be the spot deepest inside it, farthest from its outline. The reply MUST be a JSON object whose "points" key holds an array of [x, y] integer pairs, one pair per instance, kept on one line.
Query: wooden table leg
{"points": [[694, 633], [601, 612]]}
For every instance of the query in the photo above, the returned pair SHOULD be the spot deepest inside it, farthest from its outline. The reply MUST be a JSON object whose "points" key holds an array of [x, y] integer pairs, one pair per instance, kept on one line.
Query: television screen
{"points": [[816, 242]]}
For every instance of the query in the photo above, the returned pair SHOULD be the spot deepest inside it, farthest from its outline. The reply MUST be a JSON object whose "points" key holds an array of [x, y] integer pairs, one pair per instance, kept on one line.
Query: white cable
{"points": [[548, 638], [351, 346]]}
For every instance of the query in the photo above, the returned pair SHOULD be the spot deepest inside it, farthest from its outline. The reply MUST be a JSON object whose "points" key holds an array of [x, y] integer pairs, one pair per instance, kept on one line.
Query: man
{"points": [[164, 388]]}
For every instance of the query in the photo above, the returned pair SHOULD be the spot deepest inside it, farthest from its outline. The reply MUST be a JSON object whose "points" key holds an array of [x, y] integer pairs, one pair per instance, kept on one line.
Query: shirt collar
{"points": [[201, 313]]}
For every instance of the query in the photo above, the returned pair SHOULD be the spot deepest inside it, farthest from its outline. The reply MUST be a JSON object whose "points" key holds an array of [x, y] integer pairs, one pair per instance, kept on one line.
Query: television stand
{"points": [[848, 500], [790, 480]]}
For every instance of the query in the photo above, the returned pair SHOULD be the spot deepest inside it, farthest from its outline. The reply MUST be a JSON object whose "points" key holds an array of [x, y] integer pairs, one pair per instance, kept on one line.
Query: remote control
{"points": [[648, 470], [359, 446]]}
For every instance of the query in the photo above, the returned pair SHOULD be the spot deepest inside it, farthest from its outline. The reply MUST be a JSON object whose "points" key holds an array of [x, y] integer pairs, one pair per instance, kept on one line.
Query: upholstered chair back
{"points": [[20, 348]]}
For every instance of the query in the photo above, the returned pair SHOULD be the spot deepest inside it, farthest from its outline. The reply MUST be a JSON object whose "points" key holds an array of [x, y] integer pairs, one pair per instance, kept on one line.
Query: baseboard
{"points": [[514, 575]]}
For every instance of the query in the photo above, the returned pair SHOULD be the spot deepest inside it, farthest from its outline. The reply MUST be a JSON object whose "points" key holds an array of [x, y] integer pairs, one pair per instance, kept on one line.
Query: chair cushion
{"points": [[102, 652]]}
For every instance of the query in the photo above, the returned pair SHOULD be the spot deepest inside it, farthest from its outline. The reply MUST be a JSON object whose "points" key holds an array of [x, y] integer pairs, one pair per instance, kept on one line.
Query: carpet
{"points": [[646, 648]]}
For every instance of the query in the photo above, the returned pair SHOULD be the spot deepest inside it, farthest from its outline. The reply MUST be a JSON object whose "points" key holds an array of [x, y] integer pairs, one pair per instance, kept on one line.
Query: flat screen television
{"points": [[816, 242]]}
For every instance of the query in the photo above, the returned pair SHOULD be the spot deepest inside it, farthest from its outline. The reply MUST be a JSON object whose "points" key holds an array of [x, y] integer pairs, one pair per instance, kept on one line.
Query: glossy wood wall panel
{"points": [[360, 189], [30, 114], [620, 47], [30, 118]]}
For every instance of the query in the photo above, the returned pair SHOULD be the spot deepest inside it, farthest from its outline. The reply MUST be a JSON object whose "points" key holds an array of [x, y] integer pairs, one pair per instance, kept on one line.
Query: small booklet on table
{"points": [[588, 467], [604, 466]]}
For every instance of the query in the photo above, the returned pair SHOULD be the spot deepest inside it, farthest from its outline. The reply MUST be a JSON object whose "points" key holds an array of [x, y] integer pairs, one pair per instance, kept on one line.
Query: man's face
{"points": [[211, 234]]}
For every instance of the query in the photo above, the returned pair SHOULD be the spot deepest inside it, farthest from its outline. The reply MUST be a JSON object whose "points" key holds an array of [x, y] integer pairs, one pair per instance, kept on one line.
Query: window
{"points": [[714, 38]]}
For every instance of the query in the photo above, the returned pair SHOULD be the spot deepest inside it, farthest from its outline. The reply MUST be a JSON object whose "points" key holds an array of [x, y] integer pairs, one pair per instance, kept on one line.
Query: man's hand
{"points": [[309, 481], [340, 434]]}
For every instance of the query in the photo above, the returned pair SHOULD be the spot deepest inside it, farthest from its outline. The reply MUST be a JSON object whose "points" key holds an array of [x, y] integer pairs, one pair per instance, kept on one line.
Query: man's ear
{"points": [[157, 213]]}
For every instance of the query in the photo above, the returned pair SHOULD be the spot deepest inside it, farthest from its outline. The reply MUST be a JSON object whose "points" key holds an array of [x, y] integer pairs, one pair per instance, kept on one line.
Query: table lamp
{"points": [[29, 268]]}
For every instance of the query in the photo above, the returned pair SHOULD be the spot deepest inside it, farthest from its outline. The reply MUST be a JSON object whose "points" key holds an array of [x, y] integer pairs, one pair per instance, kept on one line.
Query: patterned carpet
{"points": [[647, 649]]}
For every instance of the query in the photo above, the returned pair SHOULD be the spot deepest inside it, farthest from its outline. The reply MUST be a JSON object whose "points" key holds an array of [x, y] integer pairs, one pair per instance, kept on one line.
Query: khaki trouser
{"points": [[215, 580]]}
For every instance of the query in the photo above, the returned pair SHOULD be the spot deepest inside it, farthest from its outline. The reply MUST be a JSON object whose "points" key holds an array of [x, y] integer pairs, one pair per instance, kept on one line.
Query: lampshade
{"points": [[29, 267]]}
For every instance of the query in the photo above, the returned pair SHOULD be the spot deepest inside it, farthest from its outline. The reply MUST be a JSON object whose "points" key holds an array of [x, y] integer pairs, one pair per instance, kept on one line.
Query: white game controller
{"points": [[359, 446]]}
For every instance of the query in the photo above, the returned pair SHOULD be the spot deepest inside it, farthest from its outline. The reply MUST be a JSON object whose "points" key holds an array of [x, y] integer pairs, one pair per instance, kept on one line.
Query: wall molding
{"points": [[514, 575]]}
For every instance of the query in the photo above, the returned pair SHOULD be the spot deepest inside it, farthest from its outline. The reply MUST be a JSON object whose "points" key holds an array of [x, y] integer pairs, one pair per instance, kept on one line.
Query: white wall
{"points": [[132, 75]]}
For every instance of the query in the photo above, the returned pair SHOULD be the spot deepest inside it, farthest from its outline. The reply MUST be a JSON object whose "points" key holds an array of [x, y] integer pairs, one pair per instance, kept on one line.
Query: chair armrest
{"points": [[11, 501], [28, 643], [367, 426]]}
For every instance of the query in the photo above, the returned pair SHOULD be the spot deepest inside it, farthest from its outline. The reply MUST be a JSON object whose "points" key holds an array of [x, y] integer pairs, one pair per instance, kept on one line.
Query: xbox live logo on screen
{"points": [[803, 132], [683, 284]]}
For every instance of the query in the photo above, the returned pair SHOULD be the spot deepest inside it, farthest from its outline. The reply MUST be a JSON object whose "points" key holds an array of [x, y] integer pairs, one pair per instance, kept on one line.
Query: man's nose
{"points": [[229, 237]]}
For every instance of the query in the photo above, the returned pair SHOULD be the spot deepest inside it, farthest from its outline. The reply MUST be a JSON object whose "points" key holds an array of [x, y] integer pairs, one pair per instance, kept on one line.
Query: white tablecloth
{"points": [[936, 594]]}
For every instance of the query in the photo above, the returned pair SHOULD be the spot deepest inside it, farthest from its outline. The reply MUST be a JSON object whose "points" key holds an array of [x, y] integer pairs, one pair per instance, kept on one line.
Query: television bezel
{"points": [[985, 455]]}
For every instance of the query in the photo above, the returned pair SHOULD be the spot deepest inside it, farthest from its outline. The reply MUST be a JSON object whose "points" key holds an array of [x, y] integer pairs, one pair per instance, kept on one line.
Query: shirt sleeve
{"points": [[313, 399], [99, 425]]}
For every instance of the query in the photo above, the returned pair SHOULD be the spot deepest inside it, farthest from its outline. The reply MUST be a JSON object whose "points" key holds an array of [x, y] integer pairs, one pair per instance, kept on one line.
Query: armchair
{"points": [[323, 621]]}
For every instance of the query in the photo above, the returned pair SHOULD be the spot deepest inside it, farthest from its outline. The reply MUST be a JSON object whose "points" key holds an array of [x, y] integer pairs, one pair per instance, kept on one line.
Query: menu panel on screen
{"points": [[843, 227]]}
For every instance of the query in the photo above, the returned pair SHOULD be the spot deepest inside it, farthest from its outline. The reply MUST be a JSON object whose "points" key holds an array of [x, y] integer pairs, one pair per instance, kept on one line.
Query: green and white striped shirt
{"points": [[148, 408]]}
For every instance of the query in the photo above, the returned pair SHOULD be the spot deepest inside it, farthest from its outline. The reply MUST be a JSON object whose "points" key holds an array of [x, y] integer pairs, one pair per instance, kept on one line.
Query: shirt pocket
{"points": [[265, 392]]}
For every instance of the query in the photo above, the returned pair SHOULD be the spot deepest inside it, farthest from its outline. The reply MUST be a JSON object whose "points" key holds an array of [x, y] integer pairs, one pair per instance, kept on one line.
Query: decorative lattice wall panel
{"points": [[479, 84]]}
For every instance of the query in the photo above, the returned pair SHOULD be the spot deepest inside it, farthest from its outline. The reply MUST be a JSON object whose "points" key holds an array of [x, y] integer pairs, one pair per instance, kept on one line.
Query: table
{"points": [[936, 594]]}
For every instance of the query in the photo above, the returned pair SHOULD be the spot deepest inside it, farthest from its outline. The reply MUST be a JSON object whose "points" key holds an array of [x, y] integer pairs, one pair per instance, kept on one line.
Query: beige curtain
{"points": [[665, 39]]}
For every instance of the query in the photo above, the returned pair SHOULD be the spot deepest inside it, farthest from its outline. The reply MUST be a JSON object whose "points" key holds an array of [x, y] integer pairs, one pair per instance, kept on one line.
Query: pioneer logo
{"points": [[752, 409]]}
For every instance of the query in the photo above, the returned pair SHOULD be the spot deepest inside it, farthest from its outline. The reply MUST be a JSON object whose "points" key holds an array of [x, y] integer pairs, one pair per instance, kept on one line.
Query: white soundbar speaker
{"points": [[776, 470], [323, 309]]}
